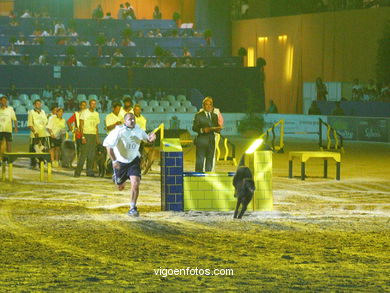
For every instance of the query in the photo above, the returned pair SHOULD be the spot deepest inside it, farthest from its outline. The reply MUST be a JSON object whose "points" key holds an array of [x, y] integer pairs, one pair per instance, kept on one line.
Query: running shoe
{"points": [[133, 212]]}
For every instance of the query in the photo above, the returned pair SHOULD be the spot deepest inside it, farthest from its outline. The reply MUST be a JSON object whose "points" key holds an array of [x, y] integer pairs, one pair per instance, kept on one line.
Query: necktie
{"points": [[209, 115]]}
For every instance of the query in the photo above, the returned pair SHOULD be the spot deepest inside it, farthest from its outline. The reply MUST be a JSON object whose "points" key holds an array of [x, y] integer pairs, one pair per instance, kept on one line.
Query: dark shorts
{"points": [[6, 135], [55, 142], [126, 170]]}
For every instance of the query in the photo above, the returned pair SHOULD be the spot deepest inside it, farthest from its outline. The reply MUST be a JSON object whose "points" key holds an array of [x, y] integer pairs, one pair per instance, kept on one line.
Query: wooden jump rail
{"points": [[11, 157], [303, 157]]}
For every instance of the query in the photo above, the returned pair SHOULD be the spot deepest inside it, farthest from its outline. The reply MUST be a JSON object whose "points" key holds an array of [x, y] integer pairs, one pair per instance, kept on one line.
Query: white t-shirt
{"points": [[6, 117], [38, 121], [57, 126], [112, 119], [91, 121], [125, 142]]}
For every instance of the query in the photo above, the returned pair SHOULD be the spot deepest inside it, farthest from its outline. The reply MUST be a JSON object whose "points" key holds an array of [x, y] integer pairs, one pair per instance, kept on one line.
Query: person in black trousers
{"points": [[205, 124]]}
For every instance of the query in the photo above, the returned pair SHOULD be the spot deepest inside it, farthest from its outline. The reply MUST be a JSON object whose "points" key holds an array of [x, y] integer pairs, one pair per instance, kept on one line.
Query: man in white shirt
{"points": [[57, 129], [114, 118], [7, 115], [89, 122], [123, 148], [37, 122]]}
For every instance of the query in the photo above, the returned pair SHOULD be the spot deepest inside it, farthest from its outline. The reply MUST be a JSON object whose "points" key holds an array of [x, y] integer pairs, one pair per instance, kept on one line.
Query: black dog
{"points": [[244, 189], [100, 159], [68, 151]]}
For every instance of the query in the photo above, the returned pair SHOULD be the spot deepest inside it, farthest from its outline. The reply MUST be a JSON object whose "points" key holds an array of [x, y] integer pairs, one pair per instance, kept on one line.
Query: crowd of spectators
{"points": [[68, 97], [244, 9]]}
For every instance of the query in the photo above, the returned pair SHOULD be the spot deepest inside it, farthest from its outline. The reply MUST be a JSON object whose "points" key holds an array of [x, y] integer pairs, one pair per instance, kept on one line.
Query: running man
{"points": [[123, 148]]}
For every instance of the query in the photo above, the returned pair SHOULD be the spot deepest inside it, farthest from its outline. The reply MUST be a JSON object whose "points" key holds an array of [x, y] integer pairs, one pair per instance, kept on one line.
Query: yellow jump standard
{"points": [[11, 157], [303, 157]]}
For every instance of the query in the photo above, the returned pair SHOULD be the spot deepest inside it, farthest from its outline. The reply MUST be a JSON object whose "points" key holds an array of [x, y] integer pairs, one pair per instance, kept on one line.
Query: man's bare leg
{"points": [[135, 181]]}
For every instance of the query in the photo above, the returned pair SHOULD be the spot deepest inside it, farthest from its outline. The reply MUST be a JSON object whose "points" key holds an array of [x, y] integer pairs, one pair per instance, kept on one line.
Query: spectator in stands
{"points": [[370, 91], [7, 116], [112, 43], [127, 107], [244, 8], [57, 130], [72, 32], [186, 52], [357, 90], [59, 29], [2, 62], [114, 118], [85, 42], [272, 109], [13, 61], [89, 122], [108, 16], [139, 118], [42, 59], [26, 14], [130, 13], [322, 91], [117, 53], [338, 111], [314, 110], [121, 12], [385, 93], [60, 101], [37, 122], [127, 42], [156, 15], [97, 13]]}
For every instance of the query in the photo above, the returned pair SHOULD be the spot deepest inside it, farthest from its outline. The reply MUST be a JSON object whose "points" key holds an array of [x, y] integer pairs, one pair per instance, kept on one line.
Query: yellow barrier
{"points": [[278, 148]]}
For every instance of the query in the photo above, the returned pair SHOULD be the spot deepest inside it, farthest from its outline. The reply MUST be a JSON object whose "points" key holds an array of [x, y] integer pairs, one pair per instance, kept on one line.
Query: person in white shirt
{"points": [[37, 122], [89, 129], [7, 115], [123, 148], [114, 118], [139, 118], [57, 129], [127, 107]]}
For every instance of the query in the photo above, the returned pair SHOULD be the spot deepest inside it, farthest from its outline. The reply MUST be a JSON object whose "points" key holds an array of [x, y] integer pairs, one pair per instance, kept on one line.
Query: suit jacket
{"points": [[201, 121]]}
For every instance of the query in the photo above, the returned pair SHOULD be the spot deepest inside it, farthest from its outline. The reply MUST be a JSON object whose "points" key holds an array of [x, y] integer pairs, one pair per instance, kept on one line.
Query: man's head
{"points": [[54, 109], [92, 104], [137, 110], [116, 108], [60, 112], [127, 103], [37, 104], [129, 120], [208, 104], [83, 105], [3, 101]]}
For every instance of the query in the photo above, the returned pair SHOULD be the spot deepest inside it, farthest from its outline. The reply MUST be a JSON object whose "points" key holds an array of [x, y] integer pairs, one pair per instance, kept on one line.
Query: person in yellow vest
{"points": [[114, 118], [127, 107], [37, 122], [139, 118], [89, 129], [57, 129], [7, 116]]}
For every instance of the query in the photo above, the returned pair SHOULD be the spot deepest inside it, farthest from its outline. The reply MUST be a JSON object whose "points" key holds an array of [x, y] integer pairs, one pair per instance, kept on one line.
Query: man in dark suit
{"points": [[205, 124]]}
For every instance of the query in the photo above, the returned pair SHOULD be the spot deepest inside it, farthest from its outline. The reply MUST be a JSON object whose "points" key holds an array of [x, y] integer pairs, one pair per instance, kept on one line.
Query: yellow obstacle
{"points": [[11, 157], [304, 156]]}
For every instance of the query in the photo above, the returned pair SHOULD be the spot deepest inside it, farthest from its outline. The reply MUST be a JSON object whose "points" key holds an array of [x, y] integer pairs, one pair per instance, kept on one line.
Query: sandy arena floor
{"points": [[74, 235]]}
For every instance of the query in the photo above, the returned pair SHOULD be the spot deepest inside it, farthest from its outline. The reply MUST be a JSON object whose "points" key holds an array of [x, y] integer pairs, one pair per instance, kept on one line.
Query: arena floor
{"points": [[323, 235]]}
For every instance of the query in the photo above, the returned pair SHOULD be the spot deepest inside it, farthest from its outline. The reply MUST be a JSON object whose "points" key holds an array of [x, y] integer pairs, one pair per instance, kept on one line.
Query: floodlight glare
{"points": [[254, 146]]}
